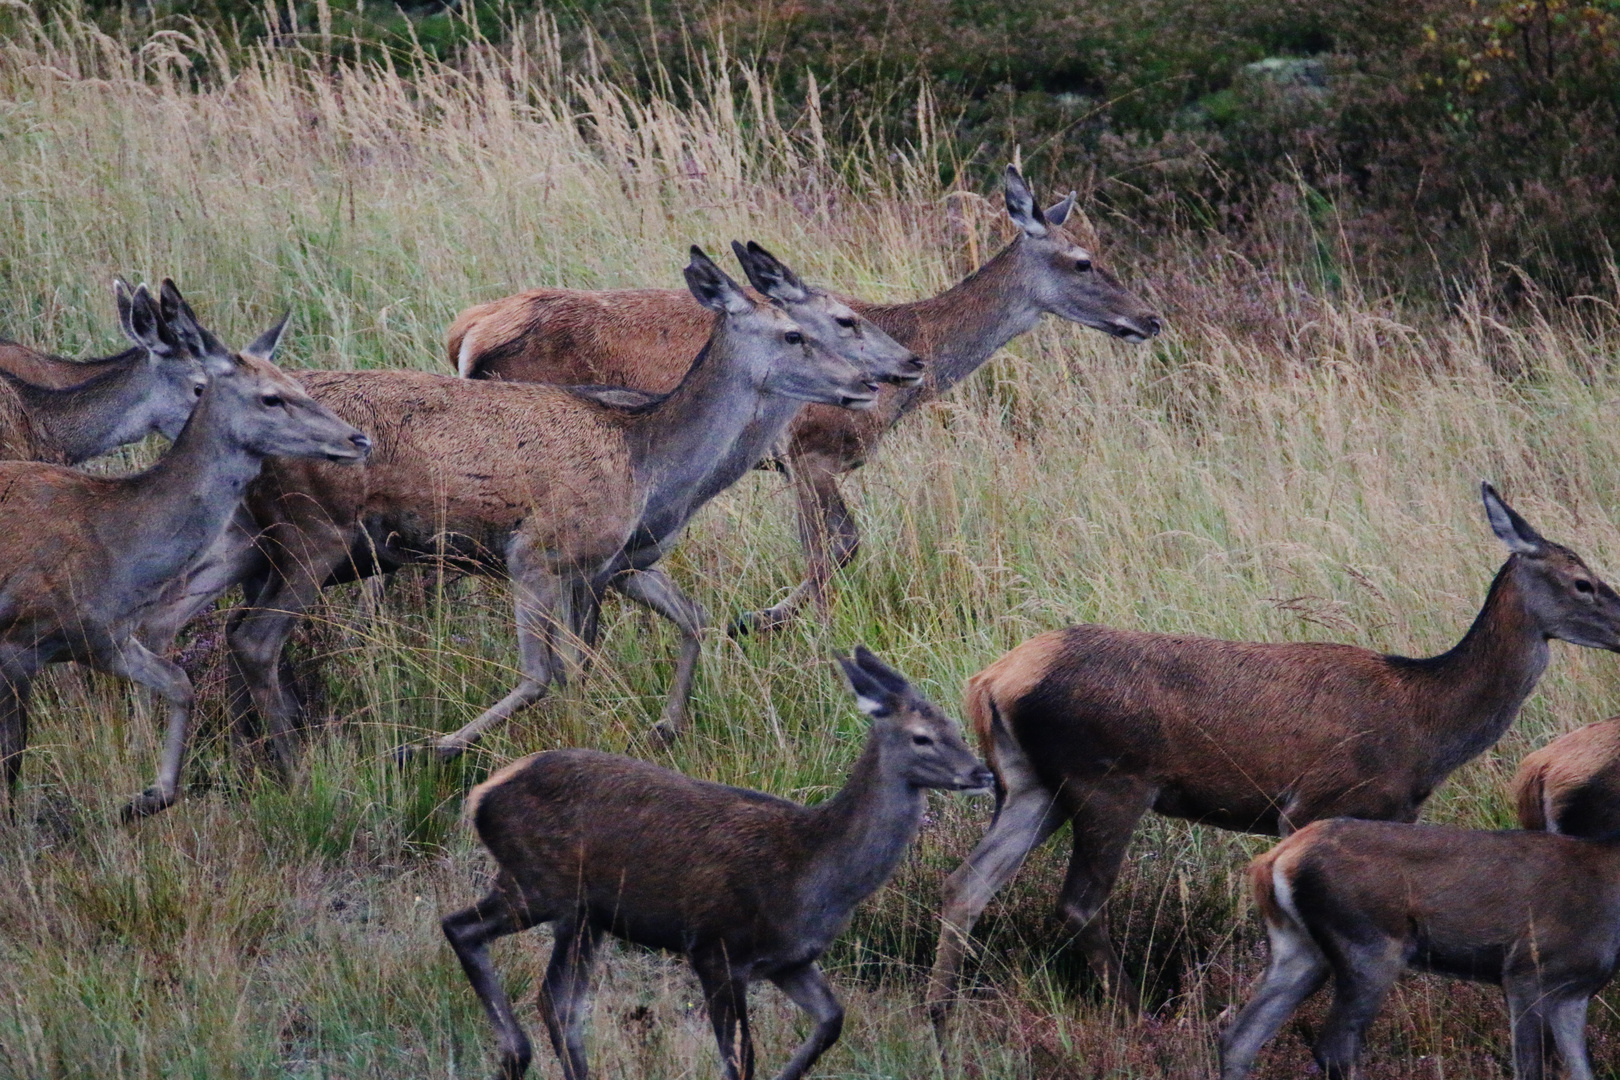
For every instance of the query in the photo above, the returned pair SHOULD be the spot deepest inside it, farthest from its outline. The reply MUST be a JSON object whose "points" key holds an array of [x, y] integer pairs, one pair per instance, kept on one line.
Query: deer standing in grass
{"points": [[150, 388], [746, 886], [643, 338], [1572, 785], [83, 558], [565, 491], [1362, 901], [1096, 726]]}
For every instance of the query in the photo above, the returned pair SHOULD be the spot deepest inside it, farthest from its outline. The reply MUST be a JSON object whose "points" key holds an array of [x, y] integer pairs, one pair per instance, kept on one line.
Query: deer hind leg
{"points": [[565, 990], [1104, 815], [1027, 817], [1540, 1020], [1363, 973], [1297, 970], [808, 988], [654, 589], [470, 931], [536, 595], [725, 993], [829, 537], [132, 660]]}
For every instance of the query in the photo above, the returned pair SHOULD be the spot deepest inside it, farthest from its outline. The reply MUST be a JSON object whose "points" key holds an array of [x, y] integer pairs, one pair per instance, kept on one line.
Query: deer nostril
{"points": [[1152, 325], [360, 441]]}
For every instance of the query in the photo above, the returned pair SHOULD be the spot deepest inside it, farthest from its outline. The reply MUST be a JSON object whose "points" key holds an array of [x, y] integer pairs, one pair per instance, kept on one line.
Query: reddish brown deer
{"points": [[83, 557], [1362, 901], [565, 491], [58, 372], [150, 389], [644, 338], [1096, 726], [746, 886], [1572, 785]]}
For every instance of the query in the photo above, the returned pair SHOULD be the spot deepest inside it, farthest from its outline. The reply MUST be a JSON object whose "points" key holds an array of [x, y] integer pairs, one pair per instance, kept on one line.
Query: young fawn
{"points": [[1362, 901], [1096, 726], [83, 558], [746, 886]]}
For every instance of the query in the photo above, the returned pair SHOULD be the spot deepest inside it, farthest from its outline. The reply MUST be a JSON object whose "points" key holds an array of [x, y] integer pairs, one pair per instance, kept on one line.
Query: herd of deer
{"points": [[583, 432]]}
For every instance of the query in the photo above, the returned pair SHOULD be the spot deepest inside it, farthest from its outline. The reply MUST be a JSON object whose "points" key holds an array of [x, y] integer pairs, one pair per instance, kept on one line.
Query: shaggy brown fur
{"points": [[1096, 726], [1361, 901]]}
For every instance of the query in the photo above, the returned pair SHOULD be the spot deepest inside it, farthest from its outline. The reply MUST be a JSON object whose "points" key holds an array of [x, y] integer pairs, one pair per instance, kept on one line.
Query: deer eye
{"points": [[1082, 266], [793, 337], [197, 390], [921, 740], [1583, 586], [271, 401], [848, 324]]}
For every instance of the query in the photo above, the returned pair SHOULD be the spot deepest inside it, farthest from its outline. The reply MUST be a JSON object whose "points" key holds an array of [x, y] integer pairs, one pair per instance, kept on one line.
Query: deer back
{"points": [[1572, 785]]}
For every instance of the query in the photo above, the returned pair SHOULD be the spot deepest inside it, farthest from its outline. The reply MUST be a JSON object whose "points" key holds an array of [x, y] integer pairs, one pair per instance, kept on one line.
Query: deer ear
{"points": [[216, 358], [712, 288], [767, 274], [1509, 527], [872, 697], [124, 299], [144, 324], [1021, 205], [264, 346], [1058, 212]]}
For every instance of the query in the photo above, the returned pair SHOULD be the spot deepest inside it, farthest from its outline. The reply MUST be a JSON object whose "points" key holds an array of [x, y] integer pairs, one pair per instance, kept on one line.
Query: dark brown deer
{"points": [[644, 338], [746, 886], [1572, 785], [1362, 901], [565, 491], [83, 557], [1096, 726], [150, 389]]}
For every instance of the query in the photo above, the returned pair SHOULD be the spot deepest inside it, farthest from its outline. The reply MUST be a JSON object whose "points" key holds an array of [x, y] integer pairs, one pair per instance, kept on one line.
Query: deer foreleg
{"points": [[135, 662], [470, 931], [1104, 815], [654, 589], [829, 537], [536, 595], [725, 992], [16, 679], [1567, 1018], [808, 988], [1364, 973], [257, 634]]}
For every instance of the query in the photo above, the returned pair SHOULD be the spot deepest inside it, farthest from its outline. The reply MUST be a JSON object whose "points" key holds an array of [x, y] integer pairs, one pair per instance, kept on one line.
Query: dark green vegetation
{"points": [[1448, 141]]}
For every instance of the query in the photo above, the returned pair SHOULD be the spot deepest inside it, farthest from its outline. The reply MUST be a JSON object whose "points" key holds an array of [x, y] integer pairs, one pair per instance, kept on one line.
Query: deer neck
{"points": [[179, 506], [85, 420], [711, 430], [961, 328], [862, 834], [1475, 690]]}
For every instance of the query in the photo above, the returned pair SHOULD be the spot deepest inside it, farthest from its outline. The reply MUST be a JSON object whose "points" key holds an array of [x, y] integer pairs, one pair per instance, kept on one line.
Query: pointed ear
{"points": [[894, 681], [1058, 212], [1021, 205], [124, 299], [871, 696], [1509, 527], [183, 321], [145, 326], [767, 274], [712, 288], [264, 346]]}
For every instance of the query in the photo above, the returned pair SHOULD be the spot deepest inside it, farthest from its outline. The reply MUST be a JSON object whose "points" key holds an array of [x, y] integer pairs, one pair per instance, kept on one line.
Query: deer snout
{"points": [[909, 372], [981, 781], [361, 445], [1136, 331]]}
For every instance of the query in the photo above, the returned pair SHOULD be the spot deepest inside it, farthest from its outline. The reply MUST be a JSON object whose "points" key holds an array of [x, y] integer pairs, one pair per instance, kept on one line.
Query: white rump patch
{"points": [[465, 358]]}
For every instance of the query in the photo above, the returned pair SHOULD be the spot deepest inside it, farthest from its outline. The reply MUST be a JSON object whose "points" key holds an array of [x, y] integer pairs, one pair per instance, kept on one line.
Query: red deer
{"points": [[744, 885], [1572, 785], [564, 491], [1362, 901], [83, 557], [1096, 726], [644, 338], [151, 388]]}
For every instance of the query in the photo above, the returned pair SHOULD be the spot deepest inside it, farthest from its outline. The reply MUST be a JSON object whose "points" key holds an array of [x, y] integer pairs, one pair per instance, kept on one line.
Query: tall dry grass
{"points": [[1296, 458]]}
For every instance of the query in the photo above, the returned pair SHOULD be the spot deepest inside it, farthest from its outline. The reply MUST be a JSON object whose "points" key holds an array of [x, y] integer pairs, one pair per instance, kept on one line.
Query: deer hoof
{"points": [[763, 622], [146, 804]]}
